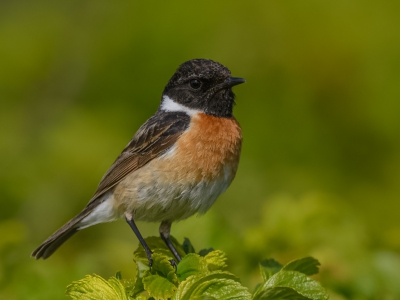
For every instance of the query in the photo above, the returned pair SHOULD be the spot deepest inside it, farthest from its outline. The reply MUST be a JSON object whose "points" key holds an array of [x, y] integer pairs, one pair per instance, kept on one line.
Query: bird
{"points": [[177, 163]]}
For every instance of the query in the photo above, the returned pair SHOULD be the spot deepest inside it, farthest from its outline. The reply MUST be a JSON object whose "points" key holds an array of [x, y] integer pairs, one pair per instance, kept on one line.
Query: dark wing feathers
{"points": [[153, 138], [158, 134]]}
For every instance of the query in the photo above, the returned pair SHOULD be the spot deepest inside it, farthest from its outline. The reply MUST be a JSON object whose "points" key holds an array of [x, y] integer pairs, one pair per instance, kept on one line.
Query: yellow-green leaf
{"points": [[159, 287], [162, 266], [191, 264], [216, 260], [160, 281], [212, 285], [141, 269], [94, 287]]}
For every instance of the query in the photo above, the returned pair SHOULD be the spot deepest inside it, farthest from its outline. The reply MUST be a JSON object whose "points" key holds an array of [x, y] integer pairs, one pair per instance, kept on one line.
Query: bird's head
{"points": [[202, 85]]}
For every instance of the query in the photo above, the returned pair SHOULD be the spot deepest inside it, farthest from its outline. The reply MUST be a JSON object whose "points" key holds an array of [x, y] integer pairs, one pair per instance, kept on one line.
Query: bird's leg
{"points": [[164, 229], [129, 220]]}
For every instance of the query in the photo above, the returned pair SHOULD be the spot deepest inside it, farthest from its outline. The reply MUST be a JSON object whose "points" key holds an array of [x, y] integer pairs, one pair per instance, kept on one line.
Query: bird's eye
{"points": [[195, 84]]}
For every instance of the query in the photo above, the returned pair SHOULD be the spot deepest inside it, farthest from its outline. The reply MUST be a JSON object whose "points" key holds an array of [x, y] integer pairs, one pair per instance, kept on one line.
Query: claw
{"points": [[150, 262], [174, 264]]}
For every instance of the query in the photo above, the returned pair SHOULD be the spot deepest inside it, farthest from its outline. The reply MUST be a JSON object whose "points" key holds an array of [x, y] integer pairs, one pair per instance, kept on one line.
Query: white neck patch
{"points": [[170, 105]]}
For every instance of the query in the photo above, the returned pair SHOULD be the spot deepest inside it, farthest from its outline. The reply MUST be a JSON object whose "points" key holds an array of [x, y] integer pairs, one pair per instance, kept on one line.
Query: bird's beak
{"points": [[232, 81]]}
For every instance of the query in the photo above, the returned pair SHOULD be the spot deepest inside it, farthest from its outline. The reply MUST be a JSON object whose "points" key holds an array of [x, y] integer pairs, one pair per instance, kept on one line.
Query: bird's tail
{"points": [[50, 245]]}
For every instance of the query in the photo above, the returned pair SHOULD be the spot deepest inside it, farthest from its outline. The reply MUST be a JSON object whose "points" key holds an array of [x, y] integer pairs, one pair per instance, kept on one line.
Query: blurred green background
{"points": [[320, 167]]}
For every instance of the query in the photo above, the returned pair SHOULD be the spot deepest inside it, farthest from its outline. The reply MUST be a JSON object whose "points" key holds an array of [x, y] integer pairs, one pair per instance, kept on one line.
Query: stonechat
{"points": [[176, 165]]}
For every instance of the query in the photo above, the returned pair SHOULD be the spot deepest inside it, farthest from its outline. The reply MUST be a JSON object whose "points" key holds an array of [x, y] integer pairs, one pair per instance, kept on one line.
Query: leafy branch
{"points": [[200, 276]]}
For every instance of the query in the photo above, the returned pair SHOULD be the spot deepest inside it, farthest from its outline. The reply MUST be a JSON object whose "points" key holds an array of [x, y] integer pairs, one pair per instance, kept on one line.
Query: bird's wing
{"points": [[153, 138]]}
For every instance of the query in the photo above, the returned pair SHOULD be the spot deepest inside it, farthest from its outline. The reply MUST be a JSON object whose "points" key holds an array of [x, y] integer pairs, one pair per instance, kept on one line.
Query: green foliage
{"points": [[268, 268], [160, 281], [307, 265], [201, 278], [93, 287], [292, 281]]}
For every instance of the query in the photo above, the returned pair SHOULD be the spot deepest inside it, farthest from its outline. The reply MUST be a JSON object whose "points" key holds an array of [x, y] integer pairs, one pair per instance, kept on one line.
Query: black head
{"points": [[204, 85]]}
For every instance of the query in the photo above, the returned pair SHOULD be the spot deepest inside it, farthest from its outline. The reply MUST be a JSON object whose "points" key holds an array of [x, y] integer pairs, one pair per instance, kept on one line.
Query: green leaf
{"points": [[162, 266], [191, 264], [280, 293], [307, 265], [141, 270], [159, 287], [157, 245], [257, 288], [118, 275], [160, 281], [141, 297], [94, 287], [269, 267], [204, 252], [299, 282], [187, 246], [216, 260], [129, 285], [217, 284]]}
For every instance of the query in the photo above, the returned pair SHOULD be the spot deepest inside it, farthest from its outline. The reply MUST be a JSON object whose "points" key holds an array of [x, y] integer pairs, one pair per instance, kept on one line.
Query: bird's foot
{"points": [[174, 264], [150, 262]]}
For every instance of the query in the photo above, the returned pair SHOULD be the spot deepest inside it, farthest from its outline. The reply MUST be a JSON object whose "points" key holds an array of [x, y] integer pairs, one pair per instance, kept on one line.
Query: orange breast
{"points": [[210, 149], [189, 177]]}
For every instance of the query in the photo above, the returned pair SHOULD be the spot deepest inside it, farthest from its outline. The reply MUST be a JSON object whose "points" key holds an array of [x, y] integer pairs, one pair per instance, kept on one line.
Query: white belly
{"points": [[154, 194], [157, 202]]}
